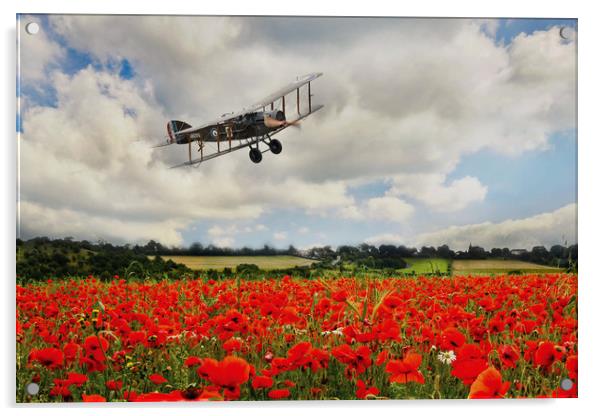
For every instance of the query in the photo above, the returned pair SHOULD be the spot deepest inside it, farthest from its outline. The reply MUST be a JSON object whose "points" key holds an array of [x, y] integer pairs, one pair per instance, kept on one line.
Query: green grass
{"points": [[493, 266], [220, 262], [422, 266]]}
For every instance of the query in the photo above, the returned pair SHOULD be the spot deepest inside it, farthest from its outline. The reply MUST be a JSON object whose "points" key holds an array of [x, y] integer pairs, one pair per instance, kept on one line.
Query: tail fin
{"points": [[173, 127]]}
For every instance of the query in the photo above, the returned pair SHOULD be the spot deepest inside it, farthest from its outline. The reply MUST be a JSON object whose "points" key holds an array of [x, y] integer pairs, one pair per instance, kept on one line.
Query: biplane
{"points": [[251, 127]]}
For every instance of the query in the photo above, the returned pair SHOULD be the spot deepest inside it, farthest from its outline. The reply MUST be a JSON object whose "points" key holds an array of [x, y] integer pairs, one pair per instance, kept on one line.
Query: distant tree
{"points": [[476, 252], [196, 249], [444, 252], [558, 251], [406, 251], [428, 252], [387, 251], [497, 252], [368, 249], [152, 247], [539, 254]]}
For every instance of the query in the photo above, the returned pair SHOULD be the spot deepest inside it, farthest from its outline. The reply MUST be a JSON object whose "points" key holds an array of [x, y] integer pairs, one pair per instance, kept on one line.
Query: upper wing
{"points": [[284, 90], [260, 104]]}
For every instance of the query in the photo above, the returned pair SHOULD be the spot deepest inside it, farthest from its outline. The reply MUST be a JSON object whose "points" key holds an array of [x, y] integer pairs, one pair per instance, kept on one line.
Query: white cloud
{"points": [[303, 230], [280, 235], [223, 242], [447, 91], [386, 238], [389, 208], [93, 165], [62, 222], [37, 52], [217, 231], [461, 93], [431, 190], [556, 227], [489, 26], [385, 208]]}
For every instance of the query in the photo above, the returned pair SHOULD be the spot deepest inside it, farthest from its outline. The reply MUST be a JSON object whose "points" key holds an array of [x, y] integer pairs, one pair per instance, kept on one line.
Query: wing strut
{"points": [[309, 95]]}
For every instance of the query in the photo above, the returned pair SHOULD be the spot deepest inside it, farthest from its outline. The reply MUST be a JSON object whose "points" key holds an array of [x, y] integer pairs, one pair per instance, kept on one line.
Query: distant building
{"points": [[518, 251]]}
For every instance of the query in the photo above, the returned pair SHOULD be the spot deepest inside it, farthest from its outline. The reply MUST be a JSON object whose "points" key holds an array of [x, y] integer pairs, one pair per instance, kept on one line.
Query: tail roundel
{"points": [[173, 127]]}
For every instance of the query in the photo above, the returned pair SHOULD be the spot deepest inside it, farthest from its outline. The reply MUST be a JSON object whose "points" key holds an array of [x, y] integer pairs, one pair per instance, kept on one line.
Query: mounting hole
{"points": [[566, 384], [32, 28], [33, 389]]}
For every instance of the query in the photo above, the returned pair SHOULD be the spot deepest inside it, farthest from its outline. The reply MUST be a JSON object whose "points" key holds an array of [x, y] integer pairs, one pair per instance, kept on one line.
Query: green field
{"points": [[490, 266], [220, 262], [422, 266]]}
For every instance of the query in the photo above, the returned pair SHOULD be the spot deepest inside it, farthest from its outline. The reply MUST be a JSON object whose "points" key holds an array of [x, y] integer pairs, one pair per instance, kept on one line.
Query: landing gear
{"points": [[255, 155], [275, 146]]}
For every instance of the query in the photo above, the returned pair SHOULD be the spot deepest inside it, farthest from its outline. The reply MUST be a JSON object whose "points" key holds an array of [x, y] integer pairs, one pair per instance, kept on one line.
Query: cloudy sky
{"points": [[434, 131]]}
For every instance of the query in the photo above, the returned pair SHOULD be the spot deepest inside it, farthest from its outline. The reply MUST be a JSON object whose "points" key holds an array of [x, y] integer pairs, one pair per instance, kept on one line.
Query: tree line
{"points": [[41, 256]]}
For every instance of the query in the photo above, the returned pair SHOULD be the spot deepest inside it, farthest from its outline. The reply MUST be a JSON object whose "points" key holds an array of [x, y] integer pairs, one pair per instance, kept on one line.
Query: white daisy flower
{"points": [[446, 357]]}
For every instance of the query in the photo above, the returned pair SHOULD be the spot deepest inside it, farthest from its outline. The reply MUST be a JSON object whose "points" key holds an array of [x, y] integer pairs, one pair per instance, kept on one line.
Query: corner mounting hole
{"points": [[566, 384], [33, 389], [32, 28]]}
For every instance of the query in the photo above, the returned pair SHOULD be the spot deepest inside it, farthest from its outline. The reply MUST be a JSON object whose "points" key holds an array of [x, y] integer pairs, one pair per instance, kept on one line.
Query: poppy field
{"points": [[508, 336]]}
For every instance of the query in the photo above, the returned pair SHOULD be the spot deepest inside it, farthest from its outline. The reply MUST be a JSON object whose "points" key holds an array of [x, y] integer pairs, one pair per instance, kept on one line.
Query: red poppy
{"points": [[207, 367], [262, 382], [470, 362], [96, 348], [49, 357], [71, 351], [233, 344], [488, 385], [545, 355], [278, 394], [192, 361], [76, 379], [157, 378], [363, 391], [230, 372], [452, 339], [357, 360], [508, 355], [382, 357], [571, 366], [93, 398], [114, 385], [406, 370], [60, 388]]}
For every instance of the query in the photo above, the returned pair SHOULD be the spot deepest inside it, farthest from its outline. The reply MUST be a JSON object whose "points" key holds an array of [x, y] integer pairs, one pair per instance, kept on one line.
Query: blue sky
{"points": [[510, 28], [525, 184]]}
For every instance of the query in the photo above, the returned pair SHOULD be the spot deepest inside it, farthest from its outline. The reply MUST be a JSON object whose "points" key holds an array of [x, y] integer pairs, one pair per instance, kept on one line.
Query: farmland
{"points": [[422, 266], [416, 266], [220, 262], [297, 339], [492, 266]]}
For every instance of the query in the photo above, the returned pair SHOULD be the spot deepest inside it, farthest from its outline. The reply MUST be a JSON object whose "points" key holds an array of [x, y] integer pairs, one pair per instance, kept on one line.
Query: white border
{"points": [[589, 202]]}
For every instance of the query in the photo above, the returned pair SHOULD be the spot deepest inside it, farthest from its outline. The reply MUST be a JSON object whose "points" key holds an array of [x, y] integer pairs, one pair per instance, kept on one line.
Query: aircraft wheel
{"points": [[275, 146], [255, 155]]}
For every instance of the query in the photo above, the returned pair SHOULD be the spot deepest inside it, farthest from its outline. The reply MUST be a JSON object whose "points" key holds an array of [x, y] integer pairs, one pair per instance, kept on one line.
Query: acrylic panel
{"points": [[295, 208]]}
